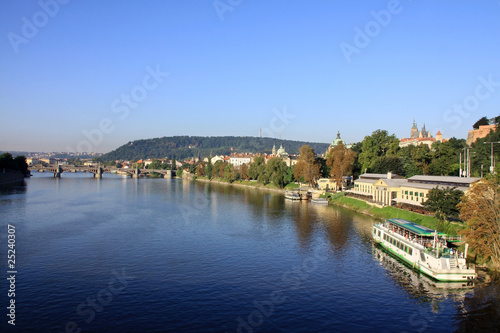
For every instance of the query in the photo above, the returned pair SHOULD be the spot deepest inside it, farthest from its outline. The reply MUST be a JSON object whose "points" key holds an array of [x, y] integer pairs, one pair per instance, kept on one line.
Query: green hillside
{"points": [[182, 147]]}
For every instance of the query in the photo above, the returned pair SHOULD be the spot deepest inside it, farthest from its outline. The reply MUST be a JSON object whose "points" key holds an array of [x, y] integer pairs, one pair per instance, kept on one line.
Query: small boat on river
{"points": [[320, 201], [293, 195], [425, 249]]}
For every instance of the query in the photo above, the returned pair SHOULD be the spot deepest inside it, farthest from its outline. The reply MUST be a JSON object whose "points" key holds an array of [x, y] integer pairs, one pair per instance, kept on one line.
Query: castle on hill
{"points": [[422, 137]]}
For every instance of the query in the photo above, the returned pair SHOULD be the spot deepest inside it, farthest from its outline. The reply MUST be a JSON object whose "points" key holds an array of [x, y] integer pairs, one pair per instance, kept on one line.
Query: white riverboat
{"points": [[319, 201], [293, 195], [425, 249]]}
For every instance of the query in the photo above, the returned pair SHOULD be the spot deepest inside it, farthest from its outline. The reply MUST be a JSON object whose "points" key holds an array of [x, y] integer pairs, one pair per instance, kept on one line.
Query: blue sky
{"points": [[306, 69]]}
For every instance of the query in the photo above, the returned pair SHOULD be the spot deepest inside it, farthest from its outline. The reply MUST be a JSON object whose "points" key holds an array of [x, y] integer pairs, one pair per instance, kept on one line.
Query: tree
{"points": [[244, 172], [154, 165], [276, 169], [380, 143], [481, 122], [340, 160], [200, 169], [174, 164], [222, 168], [306, 166], [18, 163], [209, 168], [257, 168], [480, 208], [445, 156], [6, 161], [228, 173], [179, 172], [385, 164], [443, 202], [216, 169]]}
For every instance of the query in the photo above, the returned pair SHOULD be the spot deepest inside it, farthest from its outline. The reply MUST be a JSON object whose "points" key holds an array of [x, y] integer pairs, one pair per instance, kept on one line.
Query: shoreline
{"points": [[263, 187]]}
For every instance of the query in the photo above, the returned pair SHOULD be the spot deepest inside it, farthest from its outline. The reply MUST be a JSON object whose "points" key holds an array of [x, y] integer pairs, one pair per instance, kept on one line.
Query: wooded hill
{"points": [[183, 147]]}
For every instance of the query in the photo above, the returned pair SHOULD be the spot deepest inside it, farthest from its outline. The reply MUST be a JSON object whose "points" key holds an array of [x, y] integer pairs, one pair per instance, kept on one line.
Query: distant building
{"points": [[217, 158], [479, 133], [422, 137], [289, 160], [32, 161], [336, 142], [389, 189], [238, 159]]}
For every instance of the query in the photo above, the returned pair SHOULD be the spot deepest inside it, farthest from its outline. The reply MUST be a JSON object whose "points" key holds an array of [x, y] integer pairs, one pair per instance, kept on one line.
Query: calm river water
{"points": [[156, 255]]}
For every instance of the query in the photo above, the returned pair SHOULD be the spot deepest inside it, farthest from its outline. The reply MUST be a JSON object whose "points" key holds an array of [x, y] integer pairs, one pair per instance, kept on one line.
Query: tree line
{"points": [[184, 147], [10, 163]]}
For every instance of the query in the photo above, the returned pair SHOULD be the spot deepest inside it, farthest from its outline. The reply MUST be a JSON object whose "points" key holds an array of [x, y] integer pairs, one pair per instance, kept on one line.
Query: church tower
{"points": [[274, 150], [414, 130]]}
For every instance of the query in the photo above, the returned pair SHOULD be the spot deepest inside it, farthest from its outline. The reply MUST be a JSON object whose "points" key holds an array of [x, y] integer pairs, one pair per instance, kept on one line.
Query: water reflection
{"points": [[11, 192], [481, 311], [419, 286]]}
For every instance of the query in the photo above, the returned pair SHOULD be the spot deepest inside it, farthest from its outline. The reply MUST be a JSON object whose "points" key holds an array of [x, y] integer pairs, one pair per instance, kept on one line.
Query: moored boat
{"points": [[320, 201], [293, 195], [425, 249]]}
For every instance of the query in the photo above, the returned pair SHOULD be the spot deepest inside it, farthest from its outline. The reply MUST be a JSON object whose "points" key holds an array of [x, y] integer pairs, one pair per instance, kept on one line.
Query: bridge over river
{"points": [[98, 170]]}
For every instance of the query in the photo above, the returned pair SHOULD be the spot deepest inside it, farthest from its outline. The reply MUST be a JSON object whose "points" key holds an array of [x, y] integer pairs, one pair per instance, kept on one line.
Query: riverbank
{"points": [[243, 183], [387, 212]]}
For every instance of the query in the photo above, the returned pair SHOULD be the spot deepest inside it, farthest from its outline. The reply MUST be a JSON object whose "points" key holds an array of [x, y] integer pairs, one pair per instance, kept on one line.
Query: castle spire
{"points": [[414, 124]]}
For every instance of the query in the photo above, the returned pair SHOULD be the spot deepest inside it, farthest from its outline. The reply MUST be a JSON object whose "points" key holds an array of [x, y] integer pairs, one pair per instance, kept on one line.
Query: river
{"points": [[167, 255]]}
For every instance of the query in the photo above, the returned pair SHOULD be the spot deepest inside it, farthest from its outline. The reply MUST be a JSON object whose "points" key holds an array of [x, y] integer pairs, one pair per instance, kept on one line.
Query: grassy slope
{"points": [[393, 212]]}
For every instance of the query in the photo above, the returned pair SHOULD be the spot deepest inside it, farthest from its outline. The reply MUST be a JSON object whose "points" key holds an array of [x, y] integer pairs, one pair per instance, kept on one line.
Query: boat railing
{"points": [[454, 238]]}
